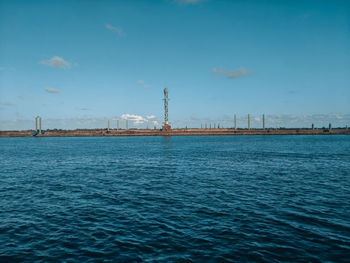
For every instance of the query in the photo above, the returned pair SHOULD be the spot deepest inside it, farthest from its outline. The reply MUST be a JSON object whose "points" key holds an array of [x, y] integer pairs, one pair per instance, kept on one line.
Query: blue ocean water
{"points": [[175, 199]]}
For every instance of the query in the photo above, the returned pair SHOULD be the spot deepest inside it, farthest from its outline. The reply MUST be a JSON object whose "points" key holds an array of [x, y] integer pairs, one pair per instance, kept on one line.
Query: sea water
{"points": [[175, 199]]}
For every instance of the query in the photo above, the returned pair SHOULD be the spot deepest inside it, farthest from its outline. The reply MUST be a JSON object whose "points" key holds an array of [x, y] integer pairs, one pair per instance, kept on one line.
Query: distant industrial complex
{"points": [[167, 130]]}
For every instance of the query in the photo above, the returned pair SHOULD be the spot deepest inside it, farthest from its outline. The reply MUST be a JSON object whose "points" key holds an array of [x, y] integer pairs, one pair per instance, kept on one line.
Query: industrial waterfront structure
{"points": [[166, 130], [38, 130]]}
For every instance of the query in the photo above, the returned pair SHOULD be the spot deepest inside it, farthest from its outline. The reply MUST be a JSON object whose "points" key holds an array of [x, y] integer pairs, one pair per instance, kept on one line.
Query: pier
{"points": [[177, 132]]}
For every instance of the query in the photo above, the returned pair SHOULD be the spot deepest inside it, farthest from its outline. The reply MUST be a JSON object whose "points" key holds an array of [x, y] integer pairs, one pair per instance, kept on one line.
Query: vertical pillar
{"points": [[312, 126], [117, 124], [248, 121], [205, 125], [40, 125], [126, 124], [235, 122], [330, 127], [108, 125], [209, 125], [36, 123], [201, 125], [264, 121]]}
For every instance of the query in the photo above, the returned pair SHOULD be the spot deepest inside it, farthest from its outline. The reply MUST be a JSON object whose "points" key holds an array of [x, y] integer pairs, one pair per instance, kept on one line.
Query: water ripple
{"points": [[179, 199]]}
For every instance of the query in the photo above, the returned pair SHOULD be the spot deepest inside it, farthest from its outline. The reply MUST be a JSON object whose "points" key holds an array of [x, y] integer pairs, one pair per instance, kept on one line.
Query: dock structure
{"points": [[176, 132]]}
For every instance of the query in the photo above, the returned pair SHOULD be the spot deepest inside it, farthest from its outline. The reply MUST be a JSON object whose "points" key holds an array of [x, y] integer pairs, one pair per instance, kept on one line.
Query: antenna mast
{"points": [[166, 127], [165, 106]]}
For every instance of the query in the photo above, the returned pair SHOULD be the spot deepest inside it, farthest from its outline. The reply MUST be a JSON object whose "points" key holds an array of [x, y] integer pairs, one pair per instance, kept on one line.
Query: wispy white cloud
{"points": [[143, 84], [7, 103], [116, 29], [339, 117], [232, 74], [56, 62], [186, 2], [137, 119], [50, 90]]}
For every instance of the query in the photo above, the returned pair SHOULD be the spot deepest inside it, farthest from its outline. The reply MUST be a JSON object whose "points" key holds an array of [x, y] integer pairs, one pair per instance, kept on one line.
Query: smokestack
{"points": [[248, 121], [264, 121], [235, 122]]}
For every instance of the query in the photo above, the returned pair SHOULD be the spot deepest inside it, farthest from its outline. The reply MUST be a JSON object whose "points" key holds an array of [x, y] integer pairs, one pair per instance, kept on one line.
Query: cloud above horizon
{"points": [[137, 119], [233, 74], [143, 84], [7, 103], [56, 62], [50, 90], [116, 29]]}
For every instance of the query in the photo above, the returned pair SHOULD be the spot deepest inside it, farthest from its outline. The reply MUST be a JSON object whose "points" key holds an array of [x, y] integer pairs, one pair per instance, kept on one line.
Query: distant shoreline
{"points": [[174, 132]]}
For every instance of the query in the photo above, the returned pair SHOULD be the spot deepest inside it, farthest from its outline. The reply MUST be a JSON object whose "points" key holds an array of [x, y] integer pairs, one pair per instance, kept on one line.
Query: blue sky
{"points": [[78, 63]]}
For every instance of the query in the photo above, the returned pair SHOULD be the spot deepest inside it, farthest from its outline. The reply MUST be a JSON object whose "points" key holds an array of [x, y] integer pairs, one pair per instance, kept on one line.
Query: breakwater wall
{"points": [[175, 132]]}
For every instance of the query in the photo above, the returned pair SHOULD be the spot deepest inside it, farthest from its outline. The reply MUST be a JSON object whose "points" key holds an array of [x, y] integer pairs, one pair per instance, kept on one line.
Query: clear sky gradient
{"points": [[78, 63]]}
